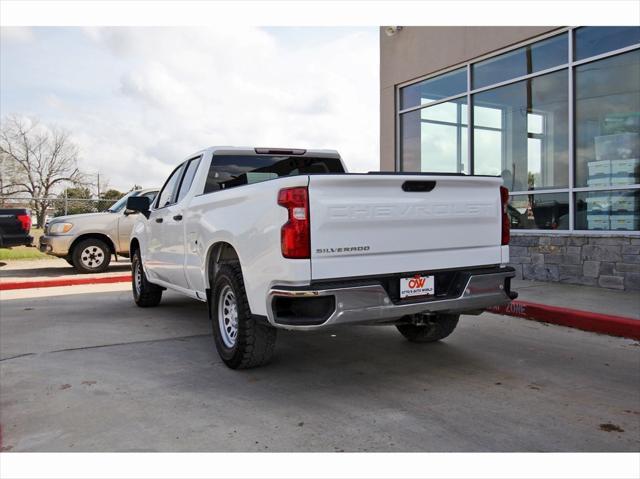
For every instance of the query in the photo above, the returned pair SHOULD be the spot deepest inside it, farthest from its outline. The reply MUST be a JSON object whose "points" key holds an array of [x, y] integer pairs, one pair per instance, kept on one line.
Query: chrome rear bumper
{"points": [[371, 303]]}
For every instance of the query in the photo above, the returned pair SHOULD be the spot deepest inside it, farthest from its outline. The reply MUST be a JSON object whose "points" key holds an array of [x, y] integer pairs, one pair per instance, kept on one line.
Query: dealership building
{"points": [[554, 111]]}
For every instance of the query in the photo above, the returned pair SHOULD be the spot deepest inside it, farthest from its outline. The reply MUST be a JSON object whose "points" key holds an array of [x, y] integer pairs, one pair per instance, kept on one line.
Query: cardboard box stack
{"points": [[617, 162]]}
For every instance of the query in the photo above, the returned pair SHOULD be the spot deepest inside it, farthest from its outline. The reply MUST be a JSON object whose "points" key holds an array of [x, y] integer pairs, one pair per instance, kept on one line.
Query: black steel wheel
{"points": [[145, 293]]}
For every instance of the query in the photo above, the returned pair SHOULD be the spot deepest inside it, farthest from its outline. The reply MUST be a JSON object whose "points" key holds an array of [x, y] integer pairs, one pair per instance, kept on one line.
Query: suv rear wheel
{"points": [[91, 255], [433, 328], [241, 340]]}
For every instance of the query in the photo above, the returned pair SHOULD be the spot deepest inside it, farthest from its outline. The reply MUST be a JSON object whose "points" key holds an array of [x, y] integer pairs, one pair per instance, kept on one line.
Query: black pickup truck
{"points": [[15, 225]]}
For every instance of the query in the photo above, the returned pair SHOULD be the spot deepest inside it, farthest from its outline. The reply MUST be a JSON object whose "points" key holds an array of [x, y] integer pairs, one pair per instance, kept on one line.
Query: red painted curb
{"points": [[50, 283], [573, 318]]}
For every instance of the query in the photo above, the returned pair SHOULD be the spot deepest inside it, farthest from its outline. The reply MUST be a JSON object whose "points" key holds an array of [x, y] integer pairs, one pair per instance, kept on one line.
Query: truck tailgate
{"points": [[381, 224]]}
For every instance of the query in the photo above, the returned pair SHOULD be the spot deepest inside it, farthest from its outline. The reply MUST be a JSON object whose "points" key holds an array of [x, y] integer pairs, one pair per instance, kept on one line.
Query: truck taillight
{"points": [[506, 225], [25, 222], [295, 237]]}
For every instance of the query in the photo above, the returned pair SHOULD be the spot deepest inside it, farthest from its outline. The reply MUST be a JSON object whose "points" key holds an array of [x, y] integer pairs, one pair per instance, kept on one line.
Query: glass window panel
{"points": [[487, 149], [487, 116], [434, 139], [534, 158], [120, 204], [189, 175], [608, 121], [168, 192], [437, 88], [447, 112], [529, 59], [549, 211], [534, 123], [608, 210], [231, 171], [529, 145], [591, 41]]}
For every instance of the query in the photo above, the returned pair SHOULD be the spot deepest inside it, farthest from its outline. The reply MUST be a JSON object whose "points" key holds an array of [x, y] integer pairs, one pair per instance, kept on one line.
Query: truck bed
{"points": [[14, 227]]}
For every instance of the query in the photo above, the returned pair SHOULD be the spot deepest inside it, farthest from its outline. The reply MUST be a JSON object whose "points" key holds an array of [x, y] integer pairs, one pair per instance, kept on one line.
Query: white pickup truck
{"points": [[286, 238]]}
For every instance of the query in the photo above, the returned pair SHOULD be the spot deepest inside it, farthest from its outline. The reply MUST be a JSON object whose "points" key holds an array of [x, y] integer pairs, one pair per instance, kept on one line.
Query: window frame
{"points": [[458, 126], [570, 66], [184, 174], [184, 165], [159, 195]]}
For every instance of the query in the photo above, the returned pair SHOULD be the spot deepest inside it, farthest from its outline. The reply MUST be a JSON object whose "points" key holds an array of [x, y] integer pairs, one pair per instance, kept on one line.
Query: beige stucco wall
{"points": [[417, 51]]}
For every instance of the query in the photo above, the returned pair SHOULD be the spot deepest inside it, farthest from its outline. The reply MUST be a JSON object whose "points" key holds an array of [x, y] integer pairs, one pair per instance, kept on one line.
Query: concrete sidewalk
{"points": [[56, 272], [54, 268], [583, 298], [599, 310]]}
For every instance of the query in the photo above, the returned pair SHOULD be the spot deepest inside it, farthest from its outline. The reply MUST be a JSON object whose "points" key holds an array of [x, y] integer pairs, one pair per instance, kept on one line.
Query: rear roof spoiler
{"points": [[280, 151], [417, 173]]}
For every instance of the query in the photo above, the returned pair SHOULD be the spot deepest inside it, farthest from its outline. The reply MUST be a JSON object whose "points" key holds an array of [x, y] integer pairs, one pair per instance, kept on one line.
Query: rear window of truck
{"points": [[236, 170]]}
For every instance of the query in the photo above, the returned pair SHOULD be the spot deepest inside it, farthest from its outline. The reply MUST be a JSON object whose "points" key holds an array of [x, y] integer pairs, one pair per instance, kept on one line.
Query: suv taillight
{"points": [[295, 237], [506, 226], [25, 222]]}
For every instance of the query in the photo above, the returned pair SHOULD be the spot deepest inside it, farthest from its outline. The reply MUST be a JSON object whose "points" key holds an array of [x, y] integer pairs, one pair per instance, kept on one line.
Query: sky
{"points": [[139, 100]]}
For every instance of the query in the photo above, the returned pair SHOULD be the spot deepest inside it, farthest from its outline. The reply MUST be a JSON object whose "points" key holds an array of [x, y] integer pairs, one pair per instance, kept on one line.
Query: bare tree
{"points": [[35, 161]]}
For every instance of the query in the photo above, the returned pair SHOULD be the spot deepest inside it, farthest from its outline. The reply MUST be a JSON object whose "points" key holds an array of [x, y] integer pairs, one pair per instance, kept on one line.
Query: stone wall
{"points": [[608, 262]]}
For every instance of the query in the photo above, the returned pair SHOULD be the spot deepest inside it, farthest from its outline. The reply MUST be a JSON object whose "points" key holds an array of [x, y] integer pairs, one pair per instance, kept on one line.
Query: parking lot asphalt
{"points": [[92, 372]]}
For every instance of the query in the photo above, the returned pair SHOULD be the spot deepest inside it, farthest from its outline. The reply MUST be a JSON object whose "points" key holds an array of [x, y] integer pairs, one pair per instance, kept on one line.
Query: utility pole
{"points": [[2, 160]]}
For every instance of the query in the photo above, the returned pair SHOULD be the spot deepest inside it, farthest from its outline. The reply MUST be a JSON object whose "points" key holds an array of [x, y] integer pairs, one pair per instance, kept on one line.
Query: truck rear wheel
{"points": [[434, 329], [145, 294], [241, 340], [91, 255]]}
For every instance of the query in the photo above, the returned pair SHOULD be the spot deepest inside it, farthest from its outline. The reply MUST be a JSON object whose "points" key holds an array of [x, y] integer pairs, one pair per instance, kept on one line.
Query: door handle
{"points": [[177, 217], [158, 220]]}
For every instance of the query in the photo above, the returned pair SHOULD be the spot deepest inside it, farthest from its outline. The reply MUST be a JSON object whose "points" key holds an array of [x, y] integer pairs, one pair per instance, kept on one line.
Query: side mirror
{"points": [[139, 204], [128, 212]]}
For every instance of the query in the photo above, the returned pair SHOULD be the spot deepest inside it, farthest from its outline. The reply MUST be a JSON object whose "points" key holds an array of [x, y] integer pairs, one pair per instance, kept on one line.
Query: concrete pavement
{"points": [[91, 372]]}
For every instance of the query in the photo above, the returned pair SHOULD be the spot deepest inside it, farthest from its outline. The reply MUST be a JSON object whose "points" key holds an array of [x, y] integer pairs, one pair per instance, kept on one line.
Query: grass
{"points": [[24, 252]]}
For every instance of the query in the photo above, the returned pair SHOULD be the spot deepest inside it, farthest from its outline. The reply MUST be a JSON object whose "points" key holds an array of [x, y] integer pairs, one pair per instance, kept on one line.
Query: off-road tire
{"points": [[434, 329], [255, 341], [81, 262], [145, 293]]}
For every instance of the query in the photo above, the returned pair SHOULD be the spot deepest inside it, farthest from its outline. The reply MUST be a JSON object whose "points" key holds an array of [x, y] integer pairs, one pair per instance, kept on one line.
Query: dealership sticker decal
{"points": [[417, 286]]}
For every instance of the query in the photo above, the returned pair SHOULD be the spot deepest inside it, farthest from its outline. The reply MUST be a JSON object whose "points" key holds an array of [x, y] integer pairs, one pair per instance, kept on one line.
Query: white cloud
{"points": [[16, 34], [181, 89]]}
